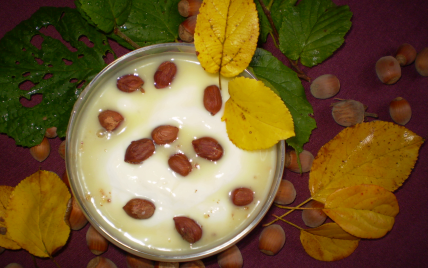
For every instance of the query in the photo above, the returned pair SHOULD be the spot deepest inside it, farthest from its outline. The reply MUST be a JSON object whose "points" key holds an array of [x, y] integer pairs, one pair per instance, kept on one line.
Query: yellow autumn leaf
{"points": [[328, 242], [366, 211], [256, 118], [226, 35], [5, 240], [380, 153], [35, 214]]}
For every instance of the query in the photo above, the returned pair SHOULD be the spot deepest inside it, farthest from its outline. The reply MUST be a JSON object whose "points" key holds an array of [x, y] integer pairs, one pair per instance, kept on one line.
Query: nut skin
{"points": [[139, 150], [186, 30], [139, 208], [208, 148], [325, 86], [50, 133], [188, 8], [165, 74], [130, 83], [74, 216], [286, 193], [272, 239], [306, 159], [349, 112], [61, 149], [165, 134], [101, 262], [314, 217], [193, 264], [180, 164], [400, 111], [138, 262], [188, 229], [110, 120], [212, 99], [242, 196]]}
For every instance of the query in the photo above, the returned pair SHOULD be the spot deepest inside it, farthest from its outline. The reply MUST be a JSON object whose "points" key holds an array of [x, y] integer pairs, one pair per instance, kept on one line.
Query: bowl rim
{"points": [[141, 52]]}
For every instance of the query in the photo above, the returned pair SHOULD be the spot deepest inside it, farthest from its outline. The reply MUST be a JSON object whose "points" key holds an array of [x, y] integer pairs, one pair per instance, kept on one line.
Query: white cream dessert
{"points": [[108, 182]]}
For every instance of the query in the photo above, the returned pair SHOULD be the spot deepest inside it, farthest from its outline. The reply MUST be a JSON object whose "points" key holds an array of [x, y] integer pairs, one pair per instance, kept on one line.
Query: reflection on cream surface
{"points": [[203, 195]]}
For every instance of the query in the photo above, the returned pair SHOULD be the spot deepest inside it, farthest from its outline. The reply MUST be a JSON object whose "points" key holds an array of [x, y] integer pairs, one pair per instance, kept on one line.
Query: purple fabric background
{"points": [[378, 28]]}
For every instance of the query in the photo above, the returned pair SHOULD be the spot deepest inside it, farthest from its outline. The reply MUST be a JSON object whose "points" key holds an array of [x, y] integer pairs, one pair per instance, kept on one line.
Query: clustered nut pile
{"points": [[140, 150]]}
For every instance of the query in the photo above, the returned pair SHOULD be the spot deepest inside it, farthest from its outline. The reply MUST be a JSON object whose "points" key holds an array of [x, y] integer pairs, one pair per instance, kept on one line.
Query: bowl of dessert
{"points": [[150, 162]]}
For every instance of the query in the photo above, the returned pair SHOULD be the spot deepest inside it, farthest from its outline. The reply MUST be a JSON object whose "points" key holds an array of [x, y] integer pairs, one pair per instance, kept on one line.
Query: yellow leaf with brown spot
{"points": [[378, 152], [256, 118], [366, 211], [35, 214], [5, 240], [328, 242], [226, 35]]}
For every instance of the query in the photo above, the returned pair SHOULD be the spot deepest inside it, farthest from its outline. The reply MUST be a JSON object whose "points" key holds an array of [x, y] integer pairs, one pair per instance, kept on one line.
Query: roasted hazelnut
{"points": [[180, 164], [165, 134], [188, 229], [242, 196], [212, 99], [208, 148], [110, 120], [130, 83], [139, 150], [139, 208], [165, 74]]}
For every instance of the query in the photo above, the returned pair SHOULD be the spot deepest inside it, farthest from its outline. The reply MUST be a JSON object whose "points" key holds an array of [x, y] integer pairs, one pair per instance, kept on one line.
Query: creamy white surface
{"points": [[108, 182]]}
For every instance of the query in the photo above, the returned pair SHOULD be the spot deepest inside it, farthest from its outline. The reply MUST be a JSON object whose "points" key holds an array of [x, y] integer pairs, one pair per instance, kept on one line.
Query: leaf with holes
{"points": [[106, 15], [35, 213], [226, 35], [58, 74], [284, 81], [150, 22], [312, 30]]}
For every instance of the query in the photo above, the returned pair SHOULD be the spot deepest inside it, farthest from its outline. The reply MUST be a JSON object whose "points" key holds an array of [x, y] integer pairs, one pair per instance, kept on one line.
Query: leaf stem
{"points": [[275, 37], [126, 38], [288, 212], [289, 222], [295, 208]]}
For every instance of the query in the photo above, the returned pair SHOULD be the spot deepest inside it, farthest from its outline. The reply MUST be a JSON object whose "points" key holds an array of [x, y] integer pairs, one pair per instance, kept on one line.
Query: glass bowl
{"points": [[102, 182]]}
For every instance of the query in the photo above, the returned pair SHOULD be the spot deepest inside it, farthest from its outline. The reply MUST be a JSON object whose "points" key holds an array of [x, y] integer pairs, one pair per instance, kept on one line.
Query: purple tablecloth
{"points": [[378, 28]]}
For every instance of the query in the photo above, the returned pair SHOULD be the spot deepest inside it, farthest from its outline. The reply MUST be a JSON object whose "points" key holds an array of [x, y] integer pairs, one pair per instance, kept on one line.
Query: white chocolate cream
{"points": [[106, 183]]}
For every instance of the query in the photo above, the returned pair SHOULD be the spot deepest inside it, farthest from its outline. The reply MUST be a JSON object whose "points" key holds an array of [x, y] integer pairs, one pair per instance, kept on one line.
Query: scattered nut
{"points": [[306, 159], [242, 196], [405, 54], [110, 120], [74, 215], [138, 208], [101, 262], [349, 112], [139, 150], [230, 258], [165, 134], [286, 193], [50, 133], [41, 152], [325, 86], [188, 8], [130, 83], [97, 244], [208, 148], [165, 74], [14, 265], [186, 30], [180, 163], [421, 62], [400, 111], [193, 264], [388, 70], [272, 239], [137, 262], [61, 149], [314, 217], [65, 179], [163, 264], [212, 99], [188, 229]]}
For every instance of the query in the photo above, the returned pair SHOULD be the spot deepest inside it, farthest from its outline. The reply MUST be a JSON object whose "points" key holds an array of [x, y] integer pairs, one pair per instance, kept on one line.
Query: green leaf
{"points": [[106, 14], [287, 85], [265, 27], [152, 22], [21, 61], [313, 30]]}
